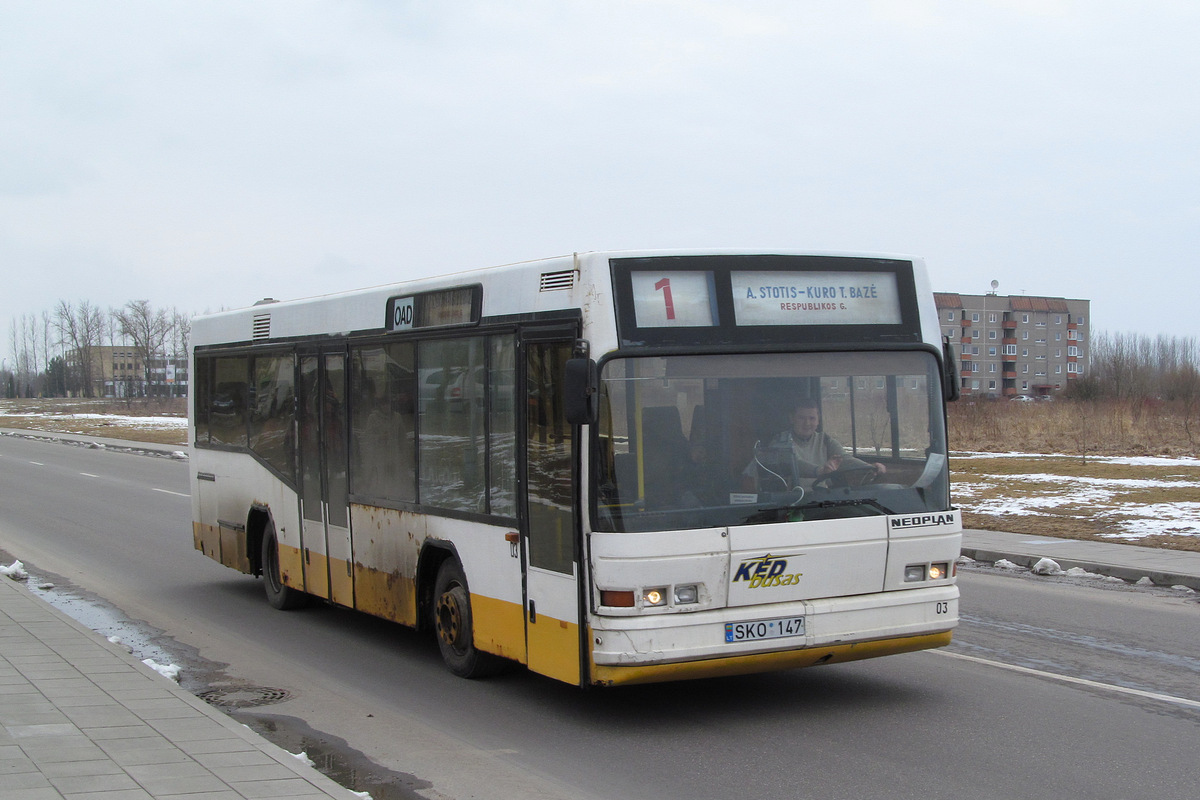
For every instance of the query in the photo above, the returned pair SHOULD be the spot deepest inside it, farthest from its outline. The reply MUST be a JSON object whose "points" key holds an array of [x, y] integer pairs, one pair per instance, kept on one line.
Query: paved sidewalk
{"points": [[81, 719], [1126, 561]]}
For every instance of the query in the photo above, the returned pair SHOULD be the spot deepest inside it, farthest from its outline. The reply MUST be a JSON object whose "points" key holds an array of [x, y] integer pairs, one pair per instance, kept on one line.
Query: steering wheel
{"points": [[849, 476]]}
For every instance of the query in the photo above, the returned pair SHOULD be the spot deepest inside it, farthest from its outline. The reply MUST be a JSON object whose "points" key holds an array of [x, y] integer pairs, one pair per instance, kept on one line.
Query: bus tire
{"points": [[452, 622], [279, 596]]}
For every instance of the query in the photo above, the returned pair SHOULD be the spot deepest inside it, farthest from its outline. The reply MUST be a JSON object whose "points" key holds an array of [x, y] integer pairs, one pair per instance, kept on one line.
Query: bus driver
{"points": [[803, 455]]}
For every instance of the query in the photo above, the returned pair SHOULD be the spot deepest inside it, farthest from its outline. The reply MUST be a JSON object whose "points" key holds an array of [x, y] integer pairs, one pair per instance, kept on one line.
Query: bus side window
{"points": [[227, 412], [383, 392]]}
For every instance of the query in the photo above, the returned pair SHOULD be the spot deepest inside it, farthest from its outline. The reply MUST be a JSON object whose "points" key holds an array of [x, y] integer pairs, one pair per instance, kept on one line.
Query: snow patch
{"points": [[15, 571], [1047, 566], [169, 671], [1104, 497]]}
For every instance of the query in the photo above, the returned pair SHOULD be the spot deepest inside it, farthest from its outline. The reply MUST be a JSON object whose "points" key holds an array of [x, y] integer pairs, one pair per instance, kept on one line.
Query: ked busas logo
{"points": [[766, 572]]}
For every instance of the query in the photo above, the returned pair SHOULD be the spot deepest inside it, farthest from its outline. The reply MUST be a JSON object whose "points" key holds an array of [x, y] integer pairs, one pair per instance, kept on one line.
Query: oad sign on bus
{"points": [[402, 314]]}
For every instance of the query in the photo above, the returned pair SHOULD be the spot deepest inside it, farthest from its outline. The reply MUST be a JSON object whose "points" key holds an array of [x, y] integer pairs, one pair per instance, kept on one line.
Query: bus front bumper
{"points": [[666, 647]]}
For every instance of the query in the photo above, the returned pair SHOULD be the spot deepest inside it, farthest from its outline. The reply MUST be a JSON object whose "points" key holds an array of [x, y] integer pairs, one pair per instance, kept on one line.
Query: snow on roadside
{"points": [[168, 671], [1102, 497], [144, 423]]}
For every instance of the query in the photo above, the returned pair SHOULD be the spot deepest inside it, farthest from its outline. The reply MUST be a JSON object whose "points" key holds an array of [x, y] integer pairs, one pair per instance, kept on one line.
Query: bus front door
{"points": [[552, 624], [324, 491]]}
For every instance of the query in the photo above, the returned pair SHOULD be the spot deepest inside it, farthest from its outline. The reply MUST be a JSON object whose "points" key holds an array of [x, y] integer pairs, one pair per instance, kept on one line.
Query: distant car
{"points": [[1022, 398]]}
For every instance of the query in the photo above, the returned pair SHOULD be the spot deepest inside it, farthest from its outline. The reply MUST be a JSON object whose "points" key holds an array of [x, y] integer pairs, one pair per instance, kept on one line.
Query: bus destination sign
{"points": [[441, 309], [815, 298]]}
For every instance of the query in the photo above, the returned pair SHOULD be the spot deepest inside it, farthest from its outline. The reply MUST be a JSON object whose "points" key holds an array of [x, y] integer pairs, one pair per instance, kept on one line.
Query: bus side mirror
{"points": [[581, 391], [951, 385]]}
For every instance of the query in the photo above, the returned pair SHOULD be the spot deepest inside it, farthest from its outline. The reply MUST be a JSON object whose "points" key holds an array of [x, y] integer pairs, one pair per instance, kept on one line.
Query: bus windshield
{"points": [[739, 439]]}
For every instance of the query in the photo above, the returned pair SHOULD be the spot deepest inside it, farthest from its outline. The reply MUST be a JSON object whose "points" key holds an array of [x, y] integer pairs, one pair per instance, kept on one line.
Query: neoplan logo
{"points": [[925, 520], [765, 572]]}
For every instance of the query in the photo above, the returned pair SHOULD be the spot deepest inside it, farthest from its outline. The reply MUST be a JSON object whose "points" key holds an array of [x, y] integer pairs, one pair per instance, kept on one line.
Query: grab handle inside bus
{"points": [[581, 390]]}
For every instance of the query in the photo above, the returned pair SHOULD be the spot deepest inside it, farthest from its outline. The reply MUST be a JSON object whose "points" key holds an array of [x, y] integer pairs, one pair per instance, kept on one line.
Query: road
{"points": [[945, 724]]}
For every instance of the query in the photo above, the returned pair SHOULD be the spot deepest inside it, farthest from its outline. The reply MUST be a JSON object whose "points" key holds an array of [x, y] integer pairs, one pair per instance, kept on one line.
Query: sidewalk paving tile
{"points": [[81, 719], [95, 783]]}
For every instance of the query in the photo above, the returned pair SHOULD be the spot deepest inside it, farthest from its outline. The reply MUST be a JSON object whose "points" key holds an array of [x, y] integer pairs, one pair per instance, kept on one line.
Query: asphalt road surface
{"points": [[1051, 689]]}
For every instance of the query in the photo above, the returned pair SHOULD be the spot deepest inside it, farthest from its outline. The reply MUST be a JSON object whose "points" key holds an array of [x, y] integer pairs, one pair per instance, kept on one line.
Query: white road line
{"points": [[168, 491], [37, 463], [1165, 698], [89, 475]]}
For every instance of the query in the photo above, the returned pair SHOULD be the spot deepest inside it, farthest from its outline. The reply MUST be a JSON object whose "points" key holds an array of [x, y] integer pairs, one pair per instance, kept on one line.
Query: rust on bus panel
{"points": [[207, 539], [222, 544], [386, 544]]}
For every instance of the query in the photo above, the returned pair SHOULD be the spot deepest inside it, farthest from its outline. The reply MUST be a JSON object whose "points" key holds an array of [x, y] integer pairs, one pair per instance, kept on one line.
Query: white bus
{"points": [[611, 468]]}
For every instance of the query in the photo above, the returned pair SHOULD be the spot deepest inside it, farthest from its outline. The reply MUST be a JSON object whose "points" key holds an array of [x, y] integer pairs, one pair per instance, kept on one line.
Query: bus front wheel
{"points": [[278, 595], [453, 623]]}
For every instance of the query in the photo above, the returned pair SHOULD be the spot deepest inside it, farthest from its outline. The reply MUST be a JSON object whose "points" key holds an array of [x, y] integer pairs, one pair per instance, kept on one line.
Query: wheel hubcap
{"points": [[449, 618]]}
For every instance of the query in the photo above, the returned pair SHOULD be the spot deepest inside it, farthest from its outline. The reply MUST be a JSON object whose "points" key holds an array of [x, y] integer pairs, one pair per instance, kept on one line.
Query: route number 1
{"points": [[665, 286]]}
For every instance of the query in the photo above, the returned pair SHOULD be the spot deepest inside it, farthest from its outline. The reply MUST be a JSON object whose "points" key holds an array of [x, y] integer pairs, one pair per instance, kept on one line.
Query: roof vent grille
{"points": [[262, 327], [558, 281]]}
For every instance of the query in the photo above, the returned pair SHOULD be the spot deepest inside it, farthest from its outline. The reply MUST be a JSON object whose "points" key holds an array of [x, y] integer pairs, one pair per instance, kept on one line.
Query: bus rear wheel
{"points": [[279, 596], [452, 621]]}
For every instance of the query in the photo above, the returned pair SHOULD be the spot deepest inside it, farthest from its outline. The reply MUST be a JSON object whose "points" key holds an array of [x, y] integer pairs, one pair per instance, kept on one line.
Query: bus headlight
{"points": [[654, 597], [914, 572], [939, 572], [686, 595]]}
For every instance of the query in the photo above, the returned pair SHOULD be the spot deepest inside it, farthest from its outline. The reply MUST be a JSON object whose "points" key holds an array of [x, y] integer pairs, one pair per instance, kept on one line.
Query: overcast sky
{"points": [[202, 155]]}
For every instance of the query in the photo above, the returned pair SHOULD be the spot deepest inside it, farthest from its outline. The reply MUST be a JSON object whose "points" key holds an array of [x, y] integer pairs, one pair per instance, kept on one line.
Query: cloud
{"points": [[211, 152]]}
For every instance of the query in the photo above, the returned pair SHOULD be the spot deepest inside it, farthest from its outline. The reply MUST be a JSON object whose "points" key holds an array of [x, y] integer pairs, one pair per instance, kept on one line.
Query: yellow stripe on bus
{"points": [[499, 627], [764, 662], [554, 648]]}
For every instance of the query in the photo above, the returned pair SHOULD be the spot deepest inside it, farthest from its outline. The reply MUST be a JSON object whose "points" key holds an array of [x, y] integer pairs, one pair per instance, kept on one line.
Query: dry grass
{"points": [[1109, 428], [1077, 498], [1082, 432], [75, 416]]}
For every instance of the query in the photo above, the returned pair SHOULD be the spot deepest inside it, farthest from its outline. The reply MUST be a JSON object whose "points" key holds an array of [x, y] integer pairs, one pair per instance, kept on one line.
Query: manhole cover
{"points": [[244, 696]]}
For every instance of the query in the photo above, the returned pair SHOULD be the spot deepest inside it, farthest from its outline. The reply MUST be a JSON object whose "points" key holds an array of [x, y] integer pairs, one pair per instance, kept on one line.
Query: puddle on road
{"points": [[333, 757]]}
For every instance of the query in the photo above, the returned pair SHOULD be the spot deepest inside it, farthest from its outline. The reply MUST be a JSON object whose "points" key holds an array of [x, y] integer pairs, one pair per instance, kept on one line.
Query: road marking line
{"points": [[89, 475], [37, 463], [1166, 698], [168, 491]]}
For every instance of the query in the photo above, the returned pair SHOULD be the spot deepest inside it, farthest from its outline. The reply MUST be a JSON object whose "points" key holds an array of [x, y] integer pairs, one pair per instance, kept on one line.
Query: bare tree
{"points": [[50, 347], [181, 334], [146, 330], [81, 328], [25, 353], [14, 343]]}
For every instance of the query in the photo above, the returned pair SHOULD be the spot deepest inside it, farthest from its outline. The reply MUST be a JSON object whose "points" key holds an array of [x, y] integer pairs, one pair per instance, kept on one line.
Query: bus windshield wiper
{"points": [[859, 501]]}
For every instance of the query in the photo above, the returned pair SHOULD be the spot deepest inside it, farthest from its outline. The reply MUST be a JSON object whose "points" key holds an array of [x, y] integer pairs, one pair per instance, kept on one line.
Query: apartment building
{"points": [[1012, 346], [120, 372]]}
